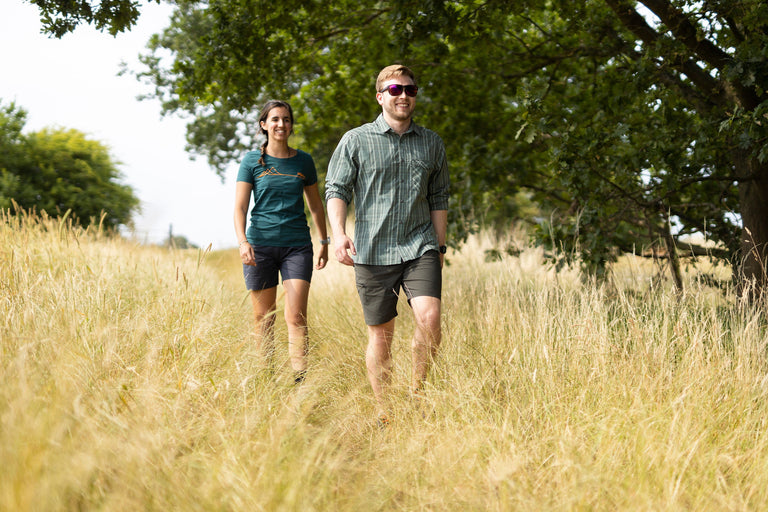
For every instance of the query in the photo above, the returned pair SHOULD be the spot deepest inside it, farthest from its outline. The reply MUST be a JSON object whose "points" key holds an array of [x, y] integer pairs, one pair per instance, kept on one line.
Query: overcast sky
{"points": [[72, 83]]}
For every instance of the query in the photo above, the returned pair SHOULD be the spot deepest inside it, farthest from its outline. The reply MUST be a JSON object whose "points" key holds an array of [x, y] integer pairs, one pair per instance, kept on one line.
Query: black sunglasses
{"points": [[397, 90]]}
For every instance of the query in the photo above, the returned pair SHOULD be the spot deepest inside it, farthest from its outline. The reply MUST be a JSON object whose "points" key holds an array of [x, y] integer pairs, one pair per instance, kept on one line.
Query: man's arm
{"points": [[440, 223], [337, 216]]}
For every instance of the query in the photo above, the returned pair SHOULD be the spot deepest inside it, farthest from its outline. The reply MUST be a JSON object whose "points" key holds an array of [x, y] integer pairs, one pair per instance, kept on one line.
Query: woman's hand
{"points": [[322, 258], [246, 254]]}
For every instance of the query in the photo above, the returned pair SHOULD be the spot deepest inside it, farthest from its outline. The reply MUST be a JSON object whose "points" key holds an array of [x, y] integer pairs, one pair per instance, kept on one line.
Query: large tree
{"points": [[60, 170], [630, 121]]}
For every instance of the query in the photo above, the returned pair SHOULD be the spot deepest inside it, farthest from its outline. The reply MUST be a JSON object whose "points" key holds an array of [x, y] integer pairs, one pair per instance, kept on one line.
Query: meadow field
{"points": [[130, 382]]}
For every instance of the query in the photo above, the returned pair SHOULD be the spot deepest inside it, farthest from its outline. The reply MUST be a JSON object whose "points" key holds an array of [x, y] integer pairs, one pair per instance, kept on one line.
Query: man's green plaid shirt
{"points": [[395, 182]]}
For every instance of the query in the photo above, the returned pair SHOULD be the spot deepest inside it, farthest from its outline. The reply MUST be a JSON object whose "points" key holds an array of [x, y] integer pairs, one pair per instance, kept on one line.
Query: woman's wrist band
{"points": [[243, 242]]}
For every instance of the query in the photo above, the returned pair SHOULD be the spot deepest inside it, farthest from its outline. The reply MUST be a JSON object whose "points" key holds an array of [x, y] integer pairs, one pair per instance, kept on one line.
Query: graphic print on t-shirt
{"points": [[273, 172]]}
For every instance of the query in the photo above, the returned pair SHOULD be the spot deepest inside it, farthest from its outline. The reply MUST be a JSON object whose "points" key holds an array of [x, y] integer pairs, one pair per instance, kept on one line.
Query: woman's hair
{"points": [[393, 71], [265, 110]]}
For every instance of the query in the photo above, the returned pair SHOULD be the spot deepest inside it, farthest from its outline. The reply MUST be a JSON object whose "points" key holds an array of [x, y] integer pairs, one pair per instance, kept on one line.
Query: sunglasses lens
{"points": [[397, 90]]}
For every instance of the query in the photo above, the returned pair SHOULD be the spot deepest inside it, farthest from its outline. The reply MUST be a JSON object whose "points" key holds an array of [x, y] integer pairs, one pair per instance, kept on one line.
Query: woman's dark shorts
{"points": [[291, 262], [379, 285]]}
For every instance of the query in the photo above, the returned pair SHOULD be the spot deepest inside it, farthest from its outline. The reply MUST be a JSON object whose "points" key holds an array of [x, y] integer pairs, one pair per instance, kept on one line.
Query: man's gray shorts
{"points": [[379, 285]]}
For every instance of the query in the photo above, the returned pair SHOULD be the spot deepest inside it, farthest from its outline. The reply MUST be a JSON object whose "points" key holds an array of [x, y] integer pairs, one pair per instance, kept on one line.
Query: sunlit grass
{"points": [[130, 382]]}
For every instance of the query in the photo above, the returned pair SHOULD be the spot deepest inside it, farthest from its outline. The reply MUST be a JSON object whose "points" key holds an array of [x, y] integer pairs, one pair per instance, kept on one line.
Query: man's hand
{"points": [[343, 248]]}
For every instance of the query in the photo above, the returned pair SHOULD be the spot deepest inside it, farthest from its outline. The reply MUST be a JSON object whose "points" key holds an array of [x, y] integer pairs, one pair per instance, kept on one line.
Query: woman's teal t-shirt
{"points": [[277, 216]]}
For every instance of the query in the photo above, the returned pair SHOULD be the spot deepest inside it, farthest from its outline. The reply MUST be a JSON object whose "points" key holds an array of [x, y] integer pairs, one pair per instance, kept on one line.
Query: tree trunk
{"points": [[674, 261], [753, 203]]}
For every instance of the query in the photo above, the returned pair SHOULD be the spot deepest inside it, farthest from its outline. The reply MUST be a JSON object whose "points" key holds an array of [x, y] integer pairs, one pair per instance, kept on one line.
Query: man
{"points": [[397, 174]]}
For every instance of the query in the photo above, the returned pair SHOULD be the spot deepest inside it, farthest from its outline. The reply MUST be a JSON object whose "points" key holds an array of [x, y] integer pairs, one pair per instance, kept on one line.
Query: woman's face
{"points": [[278, 124]]}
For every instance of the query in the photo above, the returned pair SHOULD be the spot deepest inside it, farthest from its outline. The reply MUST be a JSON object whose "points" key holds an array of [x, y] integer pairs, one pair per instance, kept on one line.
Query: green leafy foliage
{"points": [[60, 17], [620, 120], [58, 170]]}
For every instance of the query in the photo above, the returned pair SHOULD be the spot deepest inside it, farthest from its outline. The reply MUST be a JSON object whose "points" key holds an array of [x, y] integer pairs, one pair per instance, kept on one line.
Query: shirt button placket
{"points": [[400, 195]]}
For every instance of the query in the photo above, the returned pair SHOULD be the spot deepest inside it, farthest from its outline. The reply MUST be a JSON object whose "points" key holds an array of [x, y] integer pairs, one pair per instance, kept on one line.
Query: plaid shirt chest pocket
{"points": [[419, 171]]}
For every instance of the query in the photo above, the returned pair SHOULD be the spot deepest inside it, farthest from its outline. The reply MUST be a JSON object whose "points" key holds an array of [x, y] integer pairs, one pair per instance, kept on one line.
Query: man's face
{"points": [[400, 107]]}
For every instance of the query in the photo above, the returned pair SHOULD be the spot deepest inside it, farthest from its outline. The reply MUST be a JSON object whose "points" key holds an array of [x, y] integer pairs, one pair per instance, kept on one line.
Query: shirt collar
{"points": [[382, 126]]}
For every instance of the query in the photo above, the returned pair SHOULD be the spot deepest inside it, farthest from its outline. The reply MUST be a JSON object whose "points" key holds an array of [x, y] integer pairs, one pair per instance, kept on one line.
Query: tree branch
{"points": [[636, 24], [344, 29], [685, 32]]}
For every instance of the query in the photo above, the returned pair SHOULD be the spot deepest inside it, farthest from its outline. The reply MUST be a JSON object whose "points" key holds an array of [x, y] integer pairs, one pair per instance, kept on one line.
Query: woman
{"points": [[278, 238]]}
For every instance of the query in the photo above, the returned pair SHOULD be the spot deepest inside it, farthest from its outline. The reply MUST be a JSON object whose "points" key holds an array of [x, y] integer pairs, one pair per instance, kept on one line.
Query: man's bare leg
{"points": [[378, 360], [426, 338]]}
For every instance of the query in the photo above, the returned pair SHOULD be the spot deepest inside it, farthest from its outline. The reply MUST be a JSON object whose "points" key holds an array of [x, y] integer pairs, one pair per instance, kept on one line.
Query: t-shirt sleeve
{"points": [[245, 173], [310, 171]]}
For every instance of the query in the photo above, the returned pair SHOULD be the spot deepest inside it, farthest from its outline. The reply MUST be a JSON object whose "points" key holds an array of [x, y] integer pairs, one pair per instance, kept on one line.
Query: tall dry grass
{"points": [[130, 382]]}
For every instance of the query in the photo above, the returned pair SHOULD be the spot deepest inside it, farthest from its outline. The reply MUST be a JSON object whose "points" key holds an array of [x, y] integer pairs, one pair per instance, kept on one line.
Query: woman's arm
{"points": [[315, 204], [242, 200]]}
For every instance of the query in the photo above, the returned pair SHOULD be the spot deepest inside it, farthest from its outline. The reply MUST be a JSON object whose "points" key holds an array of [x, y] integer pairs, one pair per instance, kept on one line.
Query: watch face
{"points": [[443, 249]]}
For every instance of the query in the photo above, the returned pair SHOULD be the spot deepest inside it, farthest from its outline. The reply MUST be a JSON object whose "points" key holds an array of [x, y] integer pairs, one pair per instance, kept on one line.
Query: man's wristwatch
{"points": [[442, 249], [326, 241]]}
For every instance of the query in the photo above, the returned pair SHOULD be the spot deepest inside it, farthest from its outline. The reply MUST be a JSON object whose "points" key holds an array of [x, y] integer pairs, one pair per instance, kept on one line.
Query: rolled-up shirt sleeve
{"points": [[342, 170], [438, 192]]}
